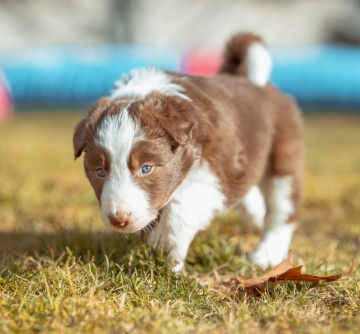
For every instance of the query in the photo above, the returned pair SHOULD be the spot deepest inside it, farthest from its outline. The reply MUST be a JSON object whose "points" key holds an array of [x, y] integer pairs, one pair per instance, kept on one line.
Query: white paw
{"points": [[274, 247], [178, 267], [269, 257]]}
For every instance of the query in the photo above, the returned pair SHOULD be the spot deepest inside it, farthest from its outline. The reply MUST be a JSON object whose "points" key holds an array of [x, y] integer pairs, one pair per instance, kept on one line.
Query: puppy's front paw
{"points": [[178, 266]]}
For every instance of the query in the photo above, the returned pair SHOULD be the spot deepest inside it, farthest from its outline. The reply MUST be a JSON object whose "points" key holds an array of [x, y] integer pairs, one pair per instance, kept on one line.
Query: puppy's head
{"points": [[136, 154]]}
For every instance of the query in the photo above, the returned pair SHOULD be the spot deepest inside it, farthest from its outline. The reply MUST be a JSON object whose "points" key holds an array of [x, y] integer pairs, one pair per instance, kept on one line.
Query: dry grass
{"points": [[61, 272]]}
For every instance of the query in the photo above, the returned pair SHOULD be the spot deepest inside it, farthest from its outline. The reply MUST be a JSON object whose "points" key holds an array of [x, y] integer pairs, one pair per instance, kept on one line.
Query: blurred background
{"points": [[68, 54], [58, 57]]}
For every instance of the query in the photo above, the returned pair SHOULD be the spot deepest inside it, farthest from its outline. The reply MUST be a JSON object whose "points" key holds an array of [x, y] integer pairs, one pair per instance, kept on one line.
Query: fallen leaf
{"points": [[279, 269], [284, 272]]}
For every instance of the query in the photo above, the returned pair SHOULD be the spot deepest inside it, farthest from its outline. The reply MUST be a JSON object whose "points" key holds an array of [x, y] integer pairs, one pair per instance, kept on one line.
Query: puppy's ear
{"points": [[175, 118], [78, 140]]}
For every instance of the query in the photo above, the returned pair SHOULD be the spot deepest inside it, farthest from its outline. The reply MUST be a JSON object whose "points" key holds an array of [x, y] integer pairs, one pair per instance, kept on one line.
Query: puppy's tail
{"points": [[246, 54]]}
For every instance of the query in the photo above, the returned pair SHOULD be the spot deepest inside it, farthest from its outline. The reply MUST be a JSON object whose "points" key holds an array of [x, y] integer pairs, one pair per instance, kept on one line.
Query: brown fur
{"points": [[167, 129], [252, 132], [167, 126], [235, 53], [244, 132]]}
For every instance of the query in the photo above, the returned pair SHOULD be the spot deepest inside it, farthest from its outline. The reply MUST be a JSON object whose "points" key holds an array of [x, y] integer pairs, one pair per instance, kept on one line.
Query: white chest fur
{"points": [[190, 210]]}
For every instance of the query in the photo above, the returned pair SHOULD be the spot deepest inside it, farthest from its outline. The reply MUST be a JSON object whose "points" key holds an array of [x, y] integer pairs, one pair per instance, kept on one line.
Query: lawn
{"points": [[62, 272]]}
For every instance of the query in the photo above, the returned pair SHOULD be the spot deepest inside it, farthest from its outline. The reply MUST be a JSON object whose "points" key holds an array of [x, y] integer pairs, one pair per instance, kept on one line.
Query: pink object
{"points": [[6, 103], [202, 62]]}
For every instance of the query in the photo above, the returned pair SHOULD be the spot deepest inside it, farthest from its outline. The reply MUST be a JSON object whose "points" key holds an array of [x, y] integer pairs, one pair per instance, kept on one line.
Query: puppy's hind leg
{"points": [[279, 225], [253, 208], [282, 191]]}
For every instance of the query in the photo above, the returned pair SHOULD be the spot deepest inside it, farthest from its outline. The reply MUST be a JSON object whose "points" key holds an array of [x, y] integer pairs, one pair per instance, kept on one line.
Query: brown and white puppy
{"points": [[166, 152]]}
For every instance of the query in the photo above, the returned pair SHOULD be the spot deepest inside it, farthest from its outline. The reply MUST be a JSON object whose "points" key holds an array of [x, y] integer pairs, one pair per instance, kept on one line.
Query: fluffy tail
{"points": [[246, 54]]}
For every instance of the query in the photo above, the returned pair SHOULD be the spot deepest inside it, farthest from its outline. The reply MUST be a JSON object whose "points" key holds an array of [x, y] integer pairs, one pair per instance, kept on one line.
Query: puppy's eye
{"points": [[100, 172], [145, 169]]}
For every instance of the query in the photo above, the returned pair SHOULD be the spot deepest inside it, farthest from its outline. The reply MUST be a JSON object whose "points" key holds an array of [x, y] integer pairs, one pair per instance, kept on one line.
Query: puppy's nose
{"points": [[120, 219]]}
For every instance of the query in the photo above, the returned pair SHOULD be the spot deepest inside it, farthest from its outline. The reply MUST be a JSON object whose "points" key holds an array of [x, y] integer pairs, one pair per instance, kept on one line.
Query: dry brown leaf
{"points": [[285, 272], [279, 269]]}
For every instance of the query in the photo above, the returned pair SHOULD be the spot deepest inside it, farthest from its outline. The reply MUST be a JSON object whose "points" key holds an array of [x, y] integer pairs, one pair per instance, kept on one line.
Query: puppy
{"points": [[165, 152]]}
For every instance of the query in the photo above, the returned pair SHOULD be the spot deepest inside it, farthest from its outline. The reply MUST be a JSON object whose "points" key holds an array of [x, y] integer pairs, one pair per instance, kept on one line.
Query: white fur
{"points": [[274, 246], [253, 208], [258, 64], [117, 134], [143, 81], [190, 210], [276, 237]]}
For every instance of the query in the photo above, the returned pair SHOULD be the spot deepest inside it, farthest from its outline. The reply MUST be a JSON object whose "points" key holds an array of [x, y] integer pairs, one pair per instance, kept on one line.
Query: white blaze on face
{"points": [[120, 193]]}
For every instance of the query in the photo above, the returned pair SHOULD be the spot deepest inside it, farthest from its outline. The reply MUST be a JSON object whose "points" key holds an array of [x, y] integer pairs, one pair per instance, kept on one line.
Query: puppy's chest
{"points": [[200, 193]]}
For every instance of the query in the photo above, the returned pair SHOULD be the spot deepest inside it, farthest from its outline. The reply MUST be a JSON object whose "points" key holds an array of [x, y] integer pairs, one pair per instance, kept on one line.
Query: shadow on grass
{"points": [[208, 251], [90, 246]]}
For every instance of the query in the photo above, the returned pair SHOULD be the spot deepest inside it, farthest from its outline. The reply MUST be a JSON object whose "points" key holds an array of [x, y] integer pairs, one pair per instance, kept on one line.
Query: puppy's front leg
{"points": [[189, 211], [175, 230]]}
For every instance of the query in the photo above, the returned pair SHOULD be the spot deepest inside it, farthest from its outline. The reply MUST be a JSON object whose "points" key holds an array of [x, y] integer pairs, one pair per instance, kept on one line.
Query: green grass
{"points": [[62, 272]]}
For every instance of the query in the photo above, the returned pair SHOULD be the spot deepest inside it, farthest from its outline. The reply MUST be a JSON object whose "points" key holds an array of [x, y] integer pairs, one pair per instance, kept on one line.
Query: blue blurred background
{"points": [[68, 54]]}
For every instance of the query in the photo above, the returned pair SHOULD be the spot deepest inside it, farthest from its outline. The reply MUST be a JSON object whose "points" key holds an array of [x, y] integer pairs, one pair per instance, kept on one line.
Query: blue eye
{"points": [[145, 169], [100, 172]]}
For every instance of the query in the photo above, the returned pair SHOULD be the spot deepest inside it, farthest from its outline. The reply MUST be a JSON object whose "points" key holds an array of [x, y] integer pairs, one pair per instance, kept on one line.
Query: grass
{"points": [[61, 272]]}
